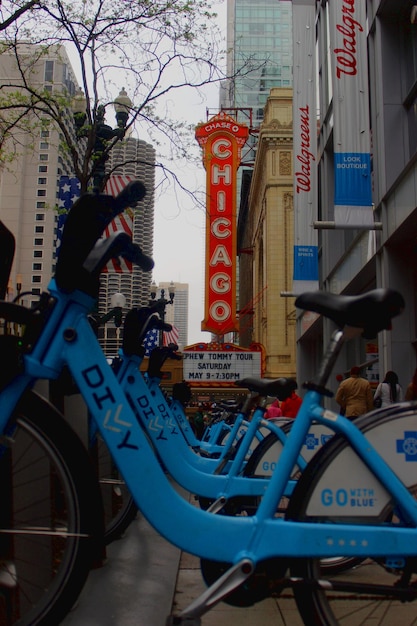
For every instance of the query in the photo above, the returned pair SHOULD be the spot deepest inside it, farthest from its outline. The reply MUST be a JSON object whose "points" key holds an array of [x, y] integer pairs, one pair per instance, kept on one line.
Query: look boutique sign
{"points": [[222, 139]]}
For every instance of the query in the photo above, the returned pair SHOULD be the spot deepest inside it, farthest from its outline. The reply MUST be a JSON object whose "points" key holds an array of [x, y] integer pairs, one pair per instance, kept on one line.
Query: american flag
{"points": [[171, 336], [68, 192], [124, 221], [151, 341]]}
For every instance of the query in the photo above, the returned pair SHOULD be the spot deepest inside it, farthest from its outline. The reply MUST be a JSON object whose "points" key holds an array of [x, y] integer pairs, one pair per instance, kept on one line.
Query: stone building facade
{"points": [[270, 227]]}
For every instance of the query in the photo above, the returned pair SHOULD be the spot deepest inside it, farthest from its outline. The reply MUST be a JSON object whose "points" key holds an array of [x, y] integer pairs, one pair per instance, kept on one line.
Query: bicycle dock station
{"points": [[259, 538]]}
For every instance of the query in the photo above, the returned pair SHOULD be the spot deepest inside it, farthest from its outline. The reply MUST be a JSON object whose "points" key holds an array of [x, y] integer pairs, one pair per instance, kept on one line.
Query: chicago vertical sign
{"points": [[221, 139]]}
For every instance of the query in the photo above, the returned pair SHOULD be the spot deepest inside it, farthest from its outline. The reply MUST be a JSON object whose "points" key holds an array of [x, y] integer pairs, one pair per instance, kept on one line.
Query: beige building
{"points": [[270, 229], [34, 163]]}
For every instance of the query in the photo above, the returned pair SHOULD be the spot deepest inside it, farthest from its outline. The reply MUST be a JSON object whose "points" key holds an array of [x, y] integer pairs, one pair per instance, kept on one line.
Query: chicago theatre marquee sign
{"points": [[221, 139]]}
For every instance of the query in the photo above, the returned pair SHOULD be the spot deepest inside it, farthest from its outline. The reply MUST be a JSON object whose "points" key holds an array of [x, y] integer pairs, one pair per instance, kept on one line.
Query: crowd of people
{"points": [[355, 396]]}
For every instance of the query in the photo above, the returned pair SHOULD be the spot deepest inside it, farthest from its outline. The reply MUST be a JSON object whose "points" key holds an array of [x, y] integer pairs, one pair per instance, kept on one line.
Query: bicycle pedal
{"points": [[177, 620]]}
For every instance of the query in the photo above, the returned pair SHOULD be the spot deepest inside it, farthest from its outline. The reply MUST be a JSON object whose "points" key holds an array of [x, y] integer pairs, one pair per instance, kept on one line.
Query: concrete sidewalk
{"points": [[145, 579], [190, 585], [135, 586]]}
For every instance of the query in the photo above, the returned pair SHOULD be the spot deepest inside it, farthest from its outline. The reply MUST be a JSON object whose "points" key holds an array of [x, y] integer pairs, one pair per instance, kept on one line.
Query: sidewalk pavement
{"points": [[134, 587], [279, 612], [145, 578]]}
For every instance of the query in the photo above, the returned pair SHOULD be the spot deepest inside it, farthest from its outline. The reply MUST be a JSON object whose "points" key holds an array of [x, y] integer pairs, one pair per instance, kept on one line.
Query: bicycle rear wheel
{"points": [[51, 518], [261, 465], [379, 590]]}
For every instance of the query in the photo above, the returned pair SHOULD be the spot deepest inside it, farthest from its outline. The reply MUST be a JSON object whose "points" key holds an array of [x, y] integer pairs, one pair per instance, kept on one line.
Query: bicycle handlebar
{"points": [[80, 260], [137, 322]]}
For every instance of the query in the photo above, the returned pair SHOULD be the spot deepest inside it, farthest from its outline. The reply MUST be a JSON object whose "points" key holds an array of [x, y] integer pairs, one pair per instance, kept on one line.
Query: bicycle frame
{"points": [[68, 339], [195, 473], [210, 446]]}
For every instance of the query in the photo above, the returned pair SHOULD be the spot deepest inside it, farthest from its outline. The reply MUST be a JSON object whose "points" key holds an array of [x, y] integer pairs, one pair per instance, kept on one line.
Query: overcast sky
{"points": [[179, 235]]}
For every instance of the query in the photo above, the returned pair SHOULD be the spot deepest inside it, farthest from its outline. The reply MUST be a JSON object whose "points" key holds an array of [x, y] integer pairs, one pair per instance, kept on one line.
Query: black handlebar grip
{"points": [[134, 254], [132, 193]]}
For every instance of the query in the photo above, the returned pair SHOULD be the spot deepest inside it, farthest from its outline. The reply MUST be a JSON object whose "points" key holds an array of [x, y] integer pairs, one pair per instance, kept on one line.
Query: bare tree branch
{"points": [[153, 48]]}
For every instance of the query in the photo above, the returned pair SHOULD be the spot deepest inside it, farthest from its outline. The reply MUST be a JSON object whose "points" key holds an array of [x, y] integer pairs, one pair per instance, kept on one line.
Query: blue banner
{"points": [[306, 266], [352, 179]]}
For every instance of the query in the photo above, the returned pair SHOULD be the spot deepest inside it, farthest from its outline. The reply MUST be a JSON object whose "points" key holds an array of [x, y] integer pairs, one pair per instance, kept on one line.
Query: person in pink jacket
{"points": [[273, 410]]}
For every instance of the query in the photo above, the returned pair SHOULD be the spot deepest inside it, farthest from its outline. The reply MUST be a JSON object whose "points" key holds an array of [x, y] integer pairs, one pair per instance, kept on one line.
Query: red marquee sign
{"points": [[222, 139]]}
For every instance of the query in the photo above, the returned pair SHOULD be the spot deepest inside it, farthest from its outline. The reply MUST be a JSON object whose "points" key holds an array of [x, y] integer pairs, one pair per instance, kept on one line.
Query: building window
{"points": [[49, 71], [42, 181], [37, 267], [40, 217], [41, 192], [40, 205], [36, 292], [44, 133], [42, 169], [36, 279], [44, 145], [38, 241], [39, 230], [37, 254], [43, 157]]}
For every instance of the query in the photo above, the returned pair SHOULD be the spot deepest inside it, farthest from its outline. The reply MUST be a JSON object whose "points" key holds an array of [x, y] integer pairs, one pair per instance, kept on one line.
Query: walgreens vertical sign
{"points": [[351, 129], [221, 139], [306, 271]]}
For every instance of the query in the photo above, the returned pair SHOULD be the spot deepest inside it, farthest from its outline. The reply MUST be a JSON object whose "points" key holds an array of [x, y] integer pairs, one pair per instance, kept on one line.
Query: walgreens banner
{"points": [[305, 277], [352, 155], [221, 138]]}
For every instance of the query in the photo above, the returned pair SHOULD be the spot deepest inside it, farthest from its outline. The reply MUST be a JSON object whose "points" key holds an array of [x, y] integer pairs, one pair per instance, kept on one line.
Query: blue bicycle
{"points": [[356, 499]]}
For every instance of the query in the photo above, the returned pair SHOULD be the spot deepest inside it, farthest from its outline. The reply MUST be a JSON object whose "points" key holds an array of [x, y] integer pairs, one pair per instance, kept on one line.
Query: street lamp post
{"points": [[118, 303], [161, 303], [103, 132]]}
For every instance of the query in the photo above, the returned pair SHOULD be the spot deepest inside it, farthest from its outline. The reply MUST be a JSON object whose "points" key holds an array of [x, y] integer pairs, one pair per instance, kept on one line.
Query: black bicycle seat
{"points": [[279, 388], [372, 311]]}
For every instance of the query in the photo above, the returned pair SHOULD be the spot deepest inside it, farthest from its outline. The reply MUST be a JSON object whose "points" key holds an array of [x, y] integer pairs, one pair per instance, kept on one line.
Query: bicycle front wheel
{"points": [[337, 487], [51, 518], [119, 507]]}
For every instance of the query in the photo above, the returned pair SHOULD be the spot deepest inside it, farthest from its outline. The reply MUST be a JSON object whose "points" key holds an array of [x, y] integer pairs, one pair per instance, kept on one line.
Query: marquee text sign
{"points": [[220, 367], [221, 138]]}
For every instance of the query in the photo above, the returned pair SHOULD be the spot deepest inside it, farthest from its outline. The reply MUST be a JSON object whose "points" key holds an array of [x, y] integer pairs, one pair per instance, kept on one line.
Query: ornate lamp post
{"points": [[118, 302], [103, 132], [162, 302]]}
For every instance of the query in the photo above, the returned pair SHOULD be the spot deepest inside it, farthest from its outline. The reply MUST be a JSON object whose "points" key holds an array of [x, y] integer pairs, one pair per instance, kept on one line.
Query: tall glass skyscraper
{"points": [[259, 41]]}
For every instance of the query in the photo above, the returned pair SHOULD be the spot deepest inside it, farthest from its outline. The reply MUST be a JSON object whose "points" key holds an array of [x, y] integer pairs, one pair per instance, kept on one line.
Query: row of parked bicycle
{"points": [[320, 506]]}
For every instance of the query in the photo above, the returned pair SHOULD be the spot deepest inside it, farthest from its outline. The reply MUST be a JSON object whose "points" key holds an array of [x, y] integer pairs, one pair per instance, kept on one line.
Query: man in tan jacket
{"points": [[355, 394]]}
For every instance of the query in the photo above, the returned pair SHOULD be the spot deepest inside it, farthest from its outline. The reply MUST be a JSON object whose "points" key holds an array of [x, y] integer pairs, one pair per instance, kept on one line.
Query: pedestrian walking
{"points": [[273, 411], [354, 394], [389, 391], [291, 405]]}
